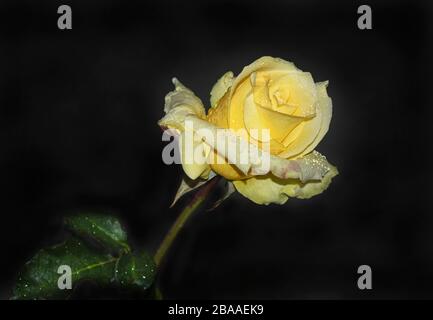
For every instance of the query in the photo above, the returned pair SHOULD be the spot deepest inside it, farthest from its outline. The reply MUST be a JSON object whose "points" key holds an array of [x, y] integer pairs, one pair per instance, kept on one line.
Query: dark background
{"points": [[78, 113]]}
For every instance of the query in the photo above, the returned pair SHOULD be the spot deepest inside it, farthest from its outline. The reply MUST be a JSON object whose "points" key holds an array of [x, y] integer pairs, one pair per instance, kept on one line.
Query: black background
{"points": [[78, 131]]}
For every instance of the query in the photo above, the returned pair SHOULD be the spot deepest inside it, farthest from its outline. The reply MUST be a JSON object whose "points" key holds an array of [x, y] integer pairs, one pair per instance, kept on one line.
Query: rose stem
{"points": [[196, 201]]}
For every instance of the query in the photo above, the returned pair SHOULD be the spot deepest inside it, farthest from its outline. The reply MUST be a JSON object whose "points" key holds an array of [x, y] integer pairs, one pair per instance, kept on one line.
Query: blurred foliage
{"points": [[111, 263]]}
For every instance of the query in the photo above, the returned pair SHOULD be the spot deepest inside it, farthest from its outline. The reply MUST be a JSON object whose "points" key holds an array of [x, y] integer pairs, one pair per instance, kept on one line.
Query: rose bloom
{"points": [[269, 94]]}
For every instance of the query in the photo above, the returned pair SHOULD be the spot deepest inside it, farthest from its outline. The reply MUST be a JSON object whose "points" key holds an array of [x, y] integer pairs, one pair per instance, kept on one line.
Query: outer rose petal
{"points": [[250, 160], [220, 88], [192, 168], [270, 189], [178, 105]]}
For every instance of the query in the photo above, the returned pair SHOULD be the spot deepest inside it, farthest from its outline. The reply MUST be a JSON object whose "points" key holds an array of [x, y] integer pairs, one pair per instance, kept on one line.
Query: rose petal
{"points": [[305, 140], [220, 88], [270, 189], [179, 103]]}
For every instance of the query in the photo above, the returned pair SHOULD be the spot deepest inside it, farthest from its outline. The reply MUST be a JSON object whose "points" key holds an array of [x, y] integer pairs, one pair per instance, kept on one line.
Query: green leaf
{"points": [[39, 279], [135, 270], [105, 230]]}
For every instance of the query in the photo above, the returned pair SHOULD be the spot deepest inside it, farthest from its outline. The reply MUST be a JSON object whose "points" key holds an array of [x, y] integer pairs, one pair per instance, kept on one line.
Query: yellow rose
{"points": [[269, 94]]}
